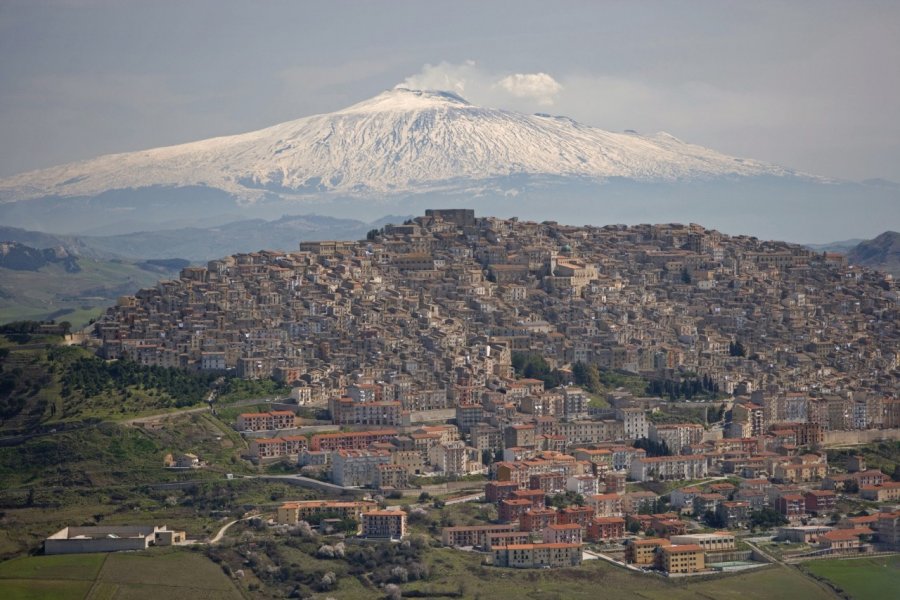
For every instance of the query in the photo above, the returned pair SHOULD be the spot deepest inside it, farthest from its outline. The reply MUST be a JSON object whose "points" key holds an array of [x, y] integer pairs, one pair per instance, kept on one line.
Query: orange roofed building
{"points": [[533, 556], [290, 513]]}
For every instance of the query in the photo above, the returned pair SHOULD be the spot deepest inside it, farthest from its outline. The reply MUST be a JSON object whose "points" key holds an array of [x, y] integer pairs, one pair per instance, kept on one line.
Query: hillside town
{"points": [[562, 366]]}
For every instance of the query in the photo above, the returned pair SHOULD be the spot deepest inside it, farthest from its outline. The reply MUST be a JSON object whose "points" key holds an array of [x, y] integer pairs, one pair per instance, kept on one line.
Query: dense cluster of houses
{"points": [[425, 316], [409, 339]]}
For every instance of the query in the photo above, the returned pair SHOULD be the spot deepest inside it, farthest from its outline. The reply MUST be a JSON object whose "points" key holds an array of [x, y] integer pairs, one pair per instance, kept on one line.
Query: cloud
{"points": [[447, 76], [538, 86], [481, 86]]}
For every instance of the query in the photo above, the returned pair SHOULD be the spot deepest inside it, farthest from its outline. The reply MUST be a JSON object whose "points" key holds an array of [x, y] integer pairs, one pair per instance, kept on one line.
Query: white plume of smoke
{"points": [[468, 79]]}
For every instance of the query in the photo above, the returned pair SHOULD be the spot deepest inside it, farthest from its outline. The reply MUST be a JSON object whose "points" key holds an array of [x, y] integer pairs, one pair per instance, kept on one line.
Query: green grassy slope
{"points": [[51, 292]]}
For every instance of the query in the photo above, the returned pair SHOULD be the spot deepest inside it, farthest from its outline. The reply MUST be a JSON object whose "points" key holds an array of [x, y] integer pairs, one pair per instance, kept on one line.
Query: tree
{"points": [[653, 448], [587, 376], [565, 499], [767, 518], [713, 519], [533, 366]]}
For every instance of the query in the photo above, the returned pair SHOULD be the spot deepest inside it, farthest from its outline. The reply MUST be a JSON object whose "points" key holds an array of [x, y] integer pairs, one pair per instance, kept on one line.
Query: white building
{"points": [[449, 457], [586, 485], [668, 468], [635, 422], [357, 468]]}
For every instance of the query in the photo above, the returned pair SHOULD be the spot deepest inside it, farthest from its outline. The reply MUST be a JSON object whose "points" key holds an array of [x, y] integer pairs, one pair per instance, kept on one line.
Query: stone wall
{"points": [[862, 436]]}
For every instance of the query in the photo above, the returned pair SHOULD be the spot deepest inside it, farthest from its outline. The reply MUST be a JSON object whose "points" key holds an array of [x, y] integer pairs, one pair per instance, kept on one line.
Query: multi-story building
{"points": [[357, 468], [569, 533], [791, 506], [450, 457], [676, 436], [809, 467], [472, 535], [288, 445], [533, 556], [684, 497], [733, 513], [667, 468], [602, 529], [506, 538], [291, 513], [888, 526], [688, 558], [634, 421], [574, 404], [495, 491], [390, 524], [276, 419], [605, 505], [581, 515], [820, 502], [709, 542], [511, 510], [643, 551], [707, 503], [889, 491], [586, 485], [519, 436], [351, 440], [537, 519], [391, 476], [469, 416]]}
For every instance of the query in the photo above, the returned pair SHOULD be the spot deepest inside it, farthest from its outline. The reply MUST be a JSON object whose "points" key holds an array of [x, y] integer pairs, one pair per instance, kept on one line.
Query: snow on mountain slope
{"points": [[401, 141]]}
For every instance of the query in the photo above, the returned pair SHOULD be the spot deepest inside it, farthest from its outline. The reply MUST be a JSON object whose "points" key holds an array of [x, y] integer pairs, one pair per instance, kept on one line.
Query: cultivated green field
{"points": [[74, 566], [862, 578], [153, 574]]}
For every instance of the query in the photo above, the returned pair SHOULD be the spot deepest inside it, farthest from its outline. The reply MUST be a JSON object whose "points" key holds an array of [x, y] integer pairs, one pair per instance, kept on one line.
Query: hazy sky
{"points": [[809, 85]]}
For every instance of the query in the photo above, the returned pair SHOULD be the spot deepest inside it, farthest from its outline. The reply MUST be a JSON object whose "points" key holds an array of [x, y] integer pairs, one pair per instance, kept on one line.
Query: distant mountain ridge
{"points": [[19, 257], [198, 244], [882, 253], [841, 247], [50, 283]]}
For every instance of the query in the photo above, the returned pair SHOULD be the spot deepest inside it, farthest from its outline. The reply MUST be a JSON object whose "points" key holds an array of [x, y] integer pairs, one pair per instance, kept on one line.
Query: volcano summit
{"points": [[403, 149]]}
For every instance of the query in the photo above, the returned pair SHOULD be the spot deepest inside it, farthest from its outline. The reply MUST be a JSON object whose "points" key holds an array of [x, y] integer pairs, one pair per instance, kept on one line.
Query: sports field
{"points": [[862, 578]]}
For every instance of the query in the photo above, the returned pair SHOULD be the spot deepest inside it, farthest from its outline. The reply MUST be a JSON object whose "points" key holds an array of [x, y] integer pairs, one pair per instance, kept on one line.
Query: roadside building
{"points": [[533, 556], [114, 538], [389, 524], [688, 558]]}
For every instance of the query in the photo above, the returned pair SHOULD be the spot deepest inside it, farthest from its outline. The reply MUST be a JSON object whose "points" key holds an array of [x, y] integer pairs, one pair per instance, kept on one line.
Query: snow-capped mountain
{"points": [[407, 150], [401, 141]]}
